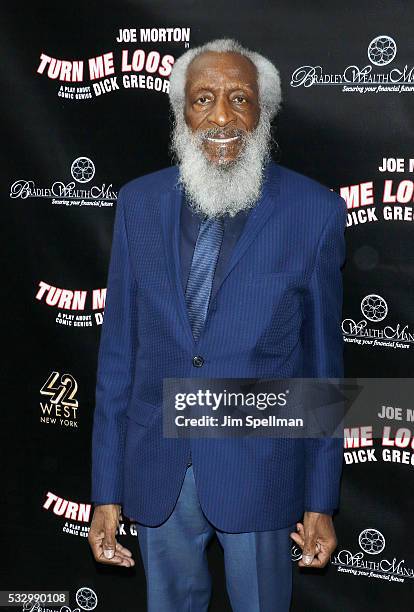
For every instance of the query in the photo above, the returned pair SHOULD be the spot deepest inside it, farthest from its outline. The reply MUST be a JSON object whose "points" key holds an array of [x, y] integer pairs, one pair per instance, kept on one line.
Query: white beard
{"points": [[218, 189]]}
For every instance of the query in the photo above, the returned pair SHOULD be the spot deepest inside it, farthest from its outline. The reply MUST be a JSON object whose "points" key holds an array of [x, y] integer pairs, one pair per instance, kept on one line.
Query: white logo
{"points": [[371, 541], [374, 307], [86, 598], [69, 193], [83, 169], [382, 50], [375, 76], [295, 553]]}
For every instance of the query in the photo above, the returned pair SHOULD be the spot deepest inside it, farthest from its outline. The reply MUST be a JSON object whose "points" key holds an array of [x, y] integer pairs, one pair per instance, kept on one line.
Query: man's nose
{"points": [[222, 113]]}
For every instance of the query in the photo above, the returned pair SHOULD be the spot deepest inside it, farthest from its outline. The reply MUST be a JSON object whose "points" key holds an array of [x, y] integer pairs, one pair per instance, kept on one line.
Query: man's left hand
{"points": [[317, 539]]}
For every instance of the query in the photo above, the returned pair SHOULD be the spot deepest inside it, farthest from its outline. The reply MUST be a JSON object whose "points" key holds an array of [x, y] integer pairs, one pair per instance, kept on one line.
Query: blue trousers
{"points": [[257, 564]]}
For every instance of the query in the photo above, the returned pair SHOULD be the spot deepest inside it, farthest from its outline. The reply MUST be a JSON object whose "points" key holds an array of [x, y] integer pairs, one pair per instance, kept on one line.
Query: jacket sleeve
{"points": [[114, 369], [323, 356]]}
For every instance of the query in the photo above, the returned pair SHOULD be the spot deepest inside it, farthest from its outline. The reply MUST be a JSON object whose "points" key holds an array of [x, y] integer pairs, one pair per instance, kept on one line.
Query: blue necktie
{"points": [[203, 265]]}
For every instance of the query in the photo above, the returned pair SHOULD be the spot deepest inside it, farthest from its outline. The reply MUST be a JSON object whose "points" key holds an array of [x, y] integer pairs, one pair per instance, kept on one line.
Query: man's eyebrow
{"points": [[197, 85]]}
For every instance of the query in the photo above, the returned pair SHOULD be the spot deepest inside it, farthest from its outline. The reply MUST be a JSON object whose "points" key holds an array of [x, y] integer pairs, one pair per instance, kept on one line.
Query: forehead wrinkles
{"points": [[205, 71], [212, 84]]}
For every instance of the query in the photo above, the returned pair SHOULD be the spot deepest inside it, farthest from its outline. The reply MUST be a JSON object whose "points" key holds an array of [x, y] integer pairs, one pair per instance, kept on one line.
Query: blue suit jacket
{"points": [[276, 313]]}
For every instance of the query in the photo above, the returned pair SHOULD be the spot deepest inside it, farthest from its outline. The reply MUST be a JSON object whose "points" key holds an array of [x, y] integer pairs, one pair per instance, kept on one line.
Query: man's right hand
{"points": [[102, 540]]}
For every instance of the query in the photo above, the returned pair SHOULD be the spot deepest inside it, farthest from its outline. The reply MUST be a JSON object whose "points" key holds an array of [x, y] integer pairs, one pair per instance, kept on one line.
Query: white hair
{"points": [[214, 190], [218, 189], [268, 78]]}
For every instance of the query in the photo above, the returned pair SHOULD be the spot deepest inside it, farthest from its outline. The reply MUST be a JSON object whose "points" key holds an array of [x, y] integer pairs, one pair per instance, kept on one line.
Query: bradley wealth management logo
{"points": [[369, 561], [295, 553], [77, 191], [86, 598], [82, 169], [368, 78], [375, 309]]}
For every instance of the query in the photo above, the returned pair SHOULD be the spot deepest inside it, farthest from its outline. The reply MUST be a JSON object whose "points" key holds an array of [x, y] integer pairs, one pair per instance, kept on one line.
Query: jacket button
{"points": [[198, 361]]}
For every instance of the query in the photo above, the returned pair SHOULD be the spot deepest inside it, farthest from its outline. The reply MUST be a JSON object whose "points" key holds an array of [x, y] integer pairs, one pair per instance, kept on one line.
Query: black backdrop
{"points": [[63, 162]]}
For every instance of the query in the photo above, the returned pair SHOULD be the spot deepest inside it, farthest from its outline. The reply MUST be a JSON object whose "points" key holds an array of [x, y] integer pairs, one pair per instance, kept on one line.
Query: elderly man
{"points": [[226, 265]]}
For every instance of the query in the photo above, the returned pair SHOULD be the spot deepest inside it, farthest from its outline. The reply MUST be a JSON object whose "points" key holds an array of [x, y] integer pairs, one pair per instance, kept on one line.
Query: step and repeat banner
{"points": [[84, 110]]}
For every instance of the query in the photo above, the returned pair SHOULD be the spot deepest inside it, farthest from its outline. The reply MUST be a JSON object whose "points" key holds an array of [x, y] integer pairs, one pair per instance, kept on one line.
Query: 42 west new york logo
{"points": [[61, 407], [365, 78]]}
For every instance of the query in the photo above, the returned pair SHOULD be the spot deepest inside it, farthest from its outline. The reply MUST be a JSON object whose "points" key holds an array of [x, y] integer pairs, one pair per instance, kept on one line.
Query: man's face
{"points": [[221, 103]]}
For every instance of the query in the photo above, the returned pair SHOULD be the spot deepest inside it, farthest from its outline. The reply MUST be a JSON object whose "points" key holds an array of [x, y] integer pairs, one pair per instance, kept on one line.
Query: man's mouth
{"points": [[222, 140]]}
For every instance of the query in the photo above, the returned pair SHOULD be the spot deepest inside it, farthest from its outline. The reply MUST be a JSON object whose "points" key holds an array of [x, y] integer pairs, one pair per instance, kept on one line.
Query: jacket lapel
{"points": [[255, 220], [170, 219]]}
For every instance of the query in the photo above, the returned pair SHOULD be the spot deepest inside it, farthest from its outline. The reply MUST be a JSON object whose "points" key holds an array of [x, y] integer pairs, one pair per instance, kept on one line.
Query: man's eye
{"points": [[239, 99], [202, 100]]}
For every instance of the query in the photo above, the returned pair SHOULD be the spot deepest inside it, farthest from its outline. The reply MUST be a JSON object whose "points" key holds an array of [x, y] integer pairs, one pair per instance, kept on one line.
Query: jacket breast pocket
{"points": [[279, 302], [289, 277]]}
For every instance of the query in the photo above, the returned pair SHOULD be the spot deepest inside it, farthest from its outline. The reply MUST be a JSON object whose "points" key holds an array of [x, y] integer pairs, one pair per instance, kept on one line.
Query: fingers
{"points": [[298, 537], [318, 561], [108, 546], [119, 555], [103, 543], [307, 540], [122, 550], [309, 548], [112, 551], [116, 559], [315, 552]]}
